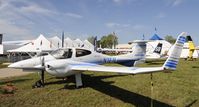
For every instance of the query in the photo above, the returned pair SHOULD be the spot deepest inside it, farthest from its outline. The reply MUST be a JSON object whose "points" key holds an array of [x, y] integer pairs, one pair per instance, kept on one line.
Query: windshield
{"points": [[62, 53]]}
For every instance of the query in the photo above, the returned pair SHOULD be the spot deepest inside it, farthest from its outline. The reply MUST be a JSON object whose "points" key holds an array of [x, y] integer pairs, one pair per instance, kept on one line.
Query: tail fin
{"points": [[173, 59], [139, 50], [158, 49], [138, 54], [188, 38]]}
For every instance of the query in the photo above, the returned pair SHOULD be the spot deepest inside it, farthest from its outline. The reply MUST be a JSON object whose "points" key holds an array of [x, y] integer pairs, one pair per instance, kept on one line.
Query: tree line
{"points": [[111, 40], [107, 41]]}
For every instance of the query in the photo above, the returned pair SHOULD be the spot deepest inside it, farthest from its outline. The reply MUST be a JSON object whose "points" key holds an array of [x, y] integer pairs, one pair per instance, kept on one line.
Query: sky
{"points": [[129, 19]]}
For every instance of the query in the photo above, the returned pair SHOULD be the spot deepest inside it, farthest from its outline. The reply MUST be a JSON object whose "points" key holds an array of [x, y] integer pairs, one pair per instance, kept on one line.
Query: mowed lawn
{"points": [[180, 88]]}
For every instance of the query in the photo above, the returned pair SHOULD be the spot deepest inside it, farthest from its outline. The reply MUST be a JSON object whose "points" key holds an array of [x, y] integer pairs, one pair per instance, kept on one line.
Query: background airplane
{"points": [[75, 61], [189, 51], [155, 54]]}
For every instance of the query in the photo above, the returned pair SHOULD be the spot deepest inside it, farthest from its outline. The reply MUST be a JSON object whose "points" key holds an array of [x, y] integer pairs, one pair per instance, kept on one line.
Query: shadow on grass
{"points": [[3, 82], [126, 96], [155, 63], [195, 66], [191, 104]]}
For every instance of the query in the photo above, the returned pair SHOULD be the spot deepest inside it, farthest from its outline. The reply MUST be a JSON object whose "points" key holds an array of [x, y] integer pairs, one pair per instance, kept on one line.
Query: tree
{"points": [[104, 42], [109, 41], [170, 39]]}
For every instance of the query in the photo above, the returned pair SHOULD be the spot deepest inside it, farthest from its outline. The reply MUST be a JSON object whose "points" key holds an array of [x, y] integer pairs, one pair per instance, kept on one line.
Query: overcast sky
{"points": [[129, 19]]}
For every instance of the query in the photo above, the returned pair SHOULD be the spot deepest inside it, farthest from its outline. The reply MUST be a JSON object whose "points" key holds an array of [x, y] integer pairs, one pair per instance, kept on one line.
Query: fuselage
{"points": [[74, 56]]}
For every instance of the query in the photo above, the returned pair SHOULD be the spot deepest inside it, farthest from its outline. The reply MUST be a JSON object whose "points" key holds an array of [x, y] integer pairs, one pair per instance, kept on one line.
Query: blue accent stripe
{"points": [[174, 63], [170, 66], [86, 64], [181, 40]]}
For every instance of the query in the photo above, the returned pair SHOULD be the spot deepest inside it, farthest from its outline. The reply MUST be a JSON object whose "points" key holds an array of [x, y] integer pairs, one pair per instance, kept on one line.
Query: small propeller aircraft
{"points": [[74, 61], [154, 55], [38, 62]]}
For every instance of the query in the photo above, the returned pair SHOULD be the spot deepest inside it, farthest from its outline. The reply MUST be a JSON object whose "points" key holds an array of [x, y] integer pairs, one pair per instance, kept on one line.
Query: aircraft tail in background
{"points": [[191, 47], [158, 49]]}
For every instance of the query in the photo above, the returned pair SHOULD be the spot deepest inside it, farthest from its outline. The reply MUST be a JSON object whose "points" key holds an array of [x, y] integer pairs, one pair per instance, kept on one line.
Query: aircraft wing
{"points": [[125, 70]]}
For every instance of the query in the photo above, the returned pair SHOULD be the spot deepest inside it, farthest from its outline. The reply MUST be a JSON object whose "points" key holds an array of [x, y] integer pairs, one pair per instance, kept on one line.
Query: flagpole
{"points": [[155, 30]]}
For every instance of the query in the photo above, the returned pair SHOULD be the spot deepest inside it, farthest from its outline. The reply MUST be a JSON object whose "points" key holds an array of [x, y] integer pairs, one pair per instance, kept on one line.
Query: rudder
{"points": [[173, 59]]}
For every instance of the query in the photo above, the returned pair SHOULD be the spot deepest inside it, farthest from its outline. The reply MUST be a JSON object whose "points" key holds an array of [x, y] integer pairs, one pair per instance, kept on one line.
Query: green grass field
{"points": [[180, 88]]}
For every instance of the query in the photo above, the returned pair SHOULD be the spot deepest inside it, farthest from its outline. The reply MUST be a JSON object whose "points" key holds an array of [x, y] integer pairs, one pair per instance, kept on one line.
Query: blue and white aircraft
{"points": [[74, 61]]}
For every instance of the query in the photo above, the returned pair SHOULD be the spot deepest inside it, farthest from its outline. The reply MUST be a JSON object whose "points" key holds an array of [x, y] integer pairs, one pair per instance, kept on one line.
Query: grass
{"points": [[2, 65], [180, 88]]}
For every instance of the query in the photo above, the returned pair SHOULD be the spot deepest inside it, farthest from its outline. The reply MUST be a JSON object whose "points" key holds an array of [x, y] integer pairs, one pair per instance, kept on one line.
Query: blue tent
{"points": [[155, 37]]}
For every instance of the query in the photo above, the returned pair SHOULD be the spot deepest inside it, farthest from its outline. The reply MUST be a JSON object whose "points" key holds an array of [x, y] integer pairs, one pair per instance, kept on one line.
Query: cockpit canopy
{"points": [[67, 53], [62, 53]]}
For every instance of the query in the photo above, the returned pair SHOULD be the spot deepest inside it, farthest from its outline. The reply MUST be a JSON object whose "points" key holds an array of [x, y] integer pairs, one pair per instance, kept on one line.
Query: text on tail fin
{"points": [[158, 49]]}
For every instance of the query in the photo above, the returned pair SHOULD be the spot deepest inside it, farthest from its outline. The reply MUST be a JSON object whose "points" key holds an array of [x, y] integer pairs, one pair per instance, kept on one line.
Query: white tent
{"points": [[68, 42], [185, 51], [78, 43], [56, 41], [37, 45], [1, 49], [88, 45]]}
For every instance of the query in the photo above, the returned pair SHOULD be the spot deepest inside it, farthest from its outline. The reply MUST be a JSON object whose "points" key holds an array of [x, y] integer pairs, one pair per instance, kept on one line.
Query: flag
{"points": [[143, 37], [95, 43], [62, 39], [41, 43], [155, 29]]}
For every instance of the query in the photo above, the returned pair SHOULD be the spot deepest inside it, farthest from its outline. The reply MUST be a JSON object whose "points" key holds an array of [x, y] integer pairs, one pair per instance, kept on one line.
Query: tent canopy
{"points": [[155, 37]]}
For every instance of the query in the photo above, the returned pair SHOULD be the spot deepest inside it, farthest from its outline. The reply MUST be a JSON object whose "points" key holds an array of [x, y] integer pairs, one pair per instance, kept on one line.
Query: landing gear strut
{"points": [[78, 80], [39, 83]]}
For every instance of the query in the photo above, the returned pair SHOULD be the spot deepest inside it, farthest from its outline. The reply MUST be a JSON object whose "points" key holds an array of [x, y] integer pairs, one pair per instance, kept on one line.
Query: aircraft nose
{"points": [[19, 64]]}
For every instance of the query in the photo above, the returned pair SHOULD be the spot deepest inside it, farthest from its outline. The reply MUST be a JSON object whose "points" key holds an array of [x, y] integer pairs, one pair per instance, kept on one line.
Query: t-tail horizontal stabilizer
{"points": [[173, 59]]}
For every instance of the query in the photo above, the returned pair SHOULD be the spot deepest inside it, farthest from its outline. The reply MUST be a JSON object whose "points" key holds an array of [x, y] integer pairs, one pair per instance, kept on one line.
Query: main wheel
{"points": [[38, 84]]}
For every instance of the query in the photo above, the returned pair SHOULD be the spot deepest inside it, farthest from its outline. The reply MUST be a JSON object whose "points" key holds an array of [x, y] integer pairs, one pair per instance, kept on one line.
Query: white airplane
{"points": [[151, 55], [81, 55], [75, 61]]}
